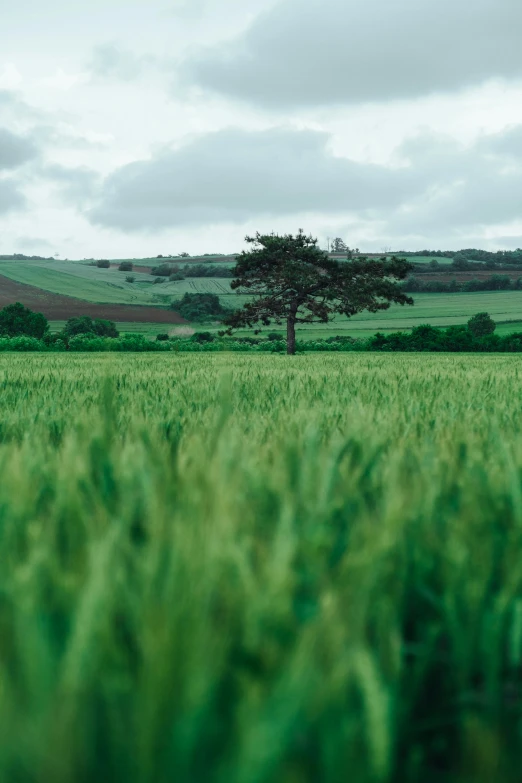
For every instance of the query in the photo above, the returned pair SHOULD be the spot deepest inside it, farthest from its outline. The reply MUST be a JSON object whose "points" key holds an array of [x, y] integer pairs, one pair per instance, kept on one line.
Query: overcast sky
{"points": [[131, 128]]}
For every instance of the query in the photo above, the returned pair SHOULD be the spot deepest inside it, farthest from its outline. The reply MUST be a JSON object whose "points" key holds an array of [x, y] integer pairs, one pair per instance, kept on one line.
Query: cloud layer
{"points": [[11, 198], [202, 120], [233, 175], [346, 51], [238, 176], [15, 150]]}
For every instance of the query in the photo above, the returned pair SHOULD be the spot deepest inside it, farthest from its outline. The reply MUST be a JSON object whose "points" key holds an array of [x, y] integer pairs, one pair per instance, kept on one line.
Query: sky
{"points": [[130, 129]]}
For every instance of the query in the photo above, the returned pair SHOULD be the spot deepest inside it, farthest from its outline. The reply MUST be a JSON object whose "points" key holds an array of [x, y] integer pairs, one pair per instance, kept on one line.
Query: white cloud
{"points": [[61, 80], [109, 61], [10, 77]]}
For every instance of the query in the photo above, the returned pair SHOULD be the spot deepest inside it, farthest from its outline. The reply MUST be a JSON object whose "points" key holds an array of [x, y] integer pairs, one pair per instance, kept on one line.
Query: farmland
{"points": [[110, 296], [58, 308], [248, 568], [102, 286]]}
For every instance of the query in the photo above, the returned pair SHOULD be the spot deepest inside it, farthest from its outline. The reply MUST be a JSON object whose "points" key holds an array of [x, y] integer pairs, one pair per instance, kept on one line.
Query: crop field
{"points": [[107, 288], [57, 307], [254, 568], [104, 286], [142, 327]]}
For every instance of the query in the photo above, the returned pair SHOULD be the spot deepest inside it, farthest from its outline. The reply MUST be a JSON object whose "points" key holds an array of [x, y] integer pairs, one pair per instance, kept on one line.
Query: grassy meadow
{"points": [[232, 569]]}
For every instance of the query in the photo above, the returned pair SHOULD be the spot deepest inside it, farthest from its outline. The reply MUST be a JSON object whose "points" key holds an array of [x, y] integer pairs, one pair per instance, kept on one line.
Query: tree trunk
{"points": [[290, 336]]}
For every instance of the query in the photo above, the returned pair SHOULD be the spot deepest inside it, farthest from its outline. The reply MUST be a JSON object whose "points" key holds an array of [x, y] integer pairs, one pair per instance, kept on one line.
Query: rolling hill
{"points": [[63, 289]]}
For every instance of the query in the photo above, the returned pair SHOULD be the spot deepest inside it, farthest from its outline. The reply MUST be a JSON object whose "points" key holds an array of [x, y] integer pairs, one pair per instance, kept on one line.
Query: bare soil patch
{"points": [[57, 307]]}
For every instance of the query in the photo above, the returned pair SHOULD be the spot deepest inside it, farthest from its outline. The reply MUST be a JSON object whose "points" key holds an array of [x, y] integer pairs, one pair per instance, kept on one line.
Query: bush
{"points": [[163, 270], [21, 343], [126, 266], [274, 336], [85, 325], [103, 264], [16, 319], [203, 337], [159, 280], [497, 282], [162, 337], [207, 270], [130, 279], [460, 261], [176, 277], [481, 324], [88, 343], [452, 339], [200, 307]]}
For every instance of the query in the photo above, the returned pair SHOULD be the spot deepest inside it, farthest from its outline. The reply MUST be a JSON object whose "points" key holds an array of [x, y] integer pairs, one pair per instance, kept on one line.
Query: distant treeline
{"points": [[426, 253], [177, 272], [470, 255], [454, 339], [413, 284], [21, 257]]}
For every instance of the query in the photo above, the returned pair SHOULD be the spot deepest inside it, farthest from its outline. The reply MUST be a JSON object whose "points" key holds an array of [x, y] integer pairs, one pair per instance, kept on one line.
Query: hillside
{"points": [[56, 307], [63, 289]]}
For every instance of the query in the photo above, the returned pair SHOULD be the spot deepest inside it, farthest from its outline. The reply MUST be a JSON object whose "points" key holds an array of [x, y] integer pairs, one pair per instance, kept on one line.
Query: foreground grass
{"points": [[236, 569]]}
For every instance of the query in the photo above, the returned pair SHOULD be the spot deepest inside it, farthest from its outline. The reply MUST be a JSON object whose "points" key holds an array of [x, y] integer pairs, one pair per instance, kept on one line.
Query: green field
{"points": [[131, 327], [231, 568], [91, 284], [104, 286]]}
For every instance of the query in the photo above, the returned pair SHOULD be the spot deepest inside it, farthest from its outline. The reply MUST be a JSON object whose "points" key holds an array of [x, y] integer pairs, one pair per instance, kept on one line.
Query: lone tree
{"points": [[481, 324], [292, 280], [338, 246]]}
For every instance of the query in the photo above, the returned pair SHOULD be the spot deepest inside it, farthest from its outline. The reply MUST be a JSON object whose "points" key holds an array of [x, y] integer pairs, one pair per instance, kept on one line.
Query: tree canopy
{"points": [[84, 324], [199, 307], [481, 324], [16, 319], [291, 279]]}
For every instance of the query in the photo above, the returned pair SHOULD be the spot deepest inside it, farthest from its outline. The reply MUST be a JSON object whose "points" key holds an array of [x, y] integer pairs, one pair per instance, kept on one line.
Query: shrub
{"points": [[21, 343], [199, 307], [159, 280], [103, 263], [162, 337], [203, 337], [130, 279], [274, 336], [87, 342], [207, 270], [126, 266], [163, 270], [85, 325], [16, 319], [176, 276], [481, 324]]}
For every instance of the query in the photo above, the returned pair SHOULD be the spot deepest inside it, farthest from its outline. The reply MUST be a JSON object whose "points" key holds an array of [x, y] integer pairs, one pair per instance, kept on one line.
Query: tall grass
{"points": [[252, 569]]}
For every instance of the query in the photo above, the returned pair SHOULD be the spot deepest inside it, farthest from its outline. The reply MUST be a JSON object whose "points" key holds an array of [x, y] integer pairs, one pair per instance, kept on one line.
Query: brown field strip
{"points": [[57, 307]]}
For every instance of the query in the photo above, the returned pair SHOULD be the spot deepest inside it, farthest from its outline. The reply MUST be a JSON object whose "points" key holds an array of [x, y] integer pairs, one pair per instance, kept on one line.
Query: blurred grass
{"points": [[256, 568]]}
